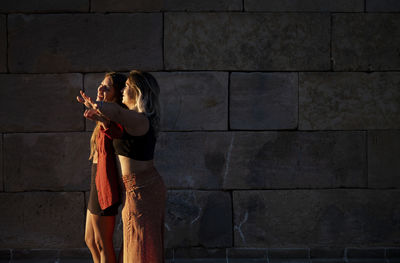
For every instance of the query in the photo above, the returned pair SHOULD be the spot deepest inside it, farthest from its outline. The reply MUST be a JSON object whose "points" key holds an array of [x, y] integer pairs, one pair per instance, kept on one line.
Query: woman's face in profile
{"points": [[106, 91]]}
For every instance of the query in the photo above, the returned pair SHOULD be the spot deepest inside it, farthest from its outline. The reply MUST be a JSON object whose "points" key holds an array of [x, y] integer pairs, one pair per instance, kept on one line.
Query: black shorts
{"points": [[93, 204]]}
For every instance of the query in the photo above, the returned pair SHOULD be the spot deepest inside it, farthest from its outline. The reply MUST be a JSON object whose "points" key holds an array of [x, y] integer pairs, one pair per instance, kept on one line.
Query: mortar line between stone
{"points": [[366, 157], [7, 46], [365, 6], [229, 99], [233, 223], [243, 6], [2, 162], [298, 101], [90, 6], [163, 40], [330, 40]]}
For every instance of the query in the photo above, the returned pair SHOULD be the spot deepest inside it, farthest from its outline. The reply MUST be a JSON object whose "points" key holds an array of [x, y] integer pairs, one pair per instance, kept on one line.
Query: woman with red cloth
{"points": [[104, 198], [144, 191]]}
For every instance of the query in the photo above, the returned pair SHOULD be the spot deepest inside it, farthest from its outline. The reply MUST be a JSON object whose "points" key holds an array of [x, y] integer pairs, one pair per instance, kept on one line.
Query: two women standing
{"points": [[133, 129]]}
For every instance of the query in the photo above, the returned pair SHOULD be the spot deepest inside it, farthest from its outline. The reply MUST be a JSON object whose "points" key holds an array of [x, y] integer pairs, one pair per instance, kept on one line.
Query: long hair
{"points": [[145, 94], [118, 83]]}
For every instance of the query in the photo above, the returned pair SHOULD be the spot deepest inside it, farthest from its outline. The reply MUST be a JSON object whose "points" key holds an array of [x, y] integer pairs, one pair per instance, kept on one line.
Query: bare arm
{"points": [[134, 123]]}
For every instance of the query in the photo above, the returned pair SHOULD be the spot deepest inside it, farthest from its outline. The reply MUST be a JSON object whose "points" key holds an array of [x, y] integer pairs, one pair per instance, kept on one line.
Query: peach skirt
{"points": [[143, 209]]}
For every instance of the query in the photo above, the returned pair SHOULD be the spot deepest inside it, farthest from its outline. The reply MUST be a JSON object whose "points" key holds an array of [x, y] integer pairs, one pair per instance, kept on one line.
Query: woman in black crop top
{"points": [[144, 191]]}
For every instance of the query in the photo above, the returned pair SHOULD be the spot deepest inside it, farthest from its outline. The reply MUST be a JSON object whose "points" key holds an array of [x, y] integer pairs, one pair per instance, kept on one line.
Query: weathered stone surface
{"points": [[244, 41], [198, 218], [367, 253], [365, 42], [42, 6], [327, 252], [40, 103], [42, 220], [304, 5], [349, 101], [193, 100], [316, 217], [249, 253], [85, 42], [382, 6], [46, 161], [383, 161], [263, 101], [195, 160], [34, 255], [202, 5], [3, 44], [296, 160], [199, 252], [126, 5]]}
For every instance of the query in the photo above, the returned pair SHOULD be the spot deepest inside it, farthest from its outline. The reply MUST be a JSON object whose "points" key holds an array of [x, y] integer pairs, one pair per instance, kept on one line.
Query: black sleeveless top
{"points": [[139, 148]]}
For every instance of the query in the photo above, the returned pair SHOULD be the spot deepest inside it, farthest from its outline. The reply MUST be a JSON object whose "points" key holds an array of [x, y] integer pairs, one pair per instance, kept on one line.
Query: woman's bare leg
{"points": [[90, 238], [104, 230]]}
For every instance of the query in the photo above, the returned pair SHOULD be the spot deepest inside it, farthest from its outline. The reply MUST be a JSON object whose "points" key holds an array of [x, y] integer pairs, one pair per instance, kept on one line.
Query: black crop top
{"points": [[139, 148]]}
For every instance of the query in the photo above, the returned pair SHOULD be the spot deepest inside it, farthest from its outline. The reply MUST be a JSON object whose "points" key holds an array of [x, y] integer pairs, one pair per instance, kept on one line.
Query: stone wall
{"points": [[280, 122]]}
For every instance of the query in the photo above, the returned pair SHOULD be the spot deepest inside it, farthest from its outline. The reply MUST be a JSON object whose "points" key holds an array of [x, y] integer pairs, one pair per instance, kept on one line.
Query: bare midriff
{"points": [[128, 165]]}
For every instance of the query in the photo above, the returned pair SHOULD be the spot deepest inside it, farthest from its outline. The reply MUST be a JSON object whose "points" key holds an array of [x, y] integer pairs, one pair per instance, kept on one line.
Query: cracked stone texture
{"points": [[383, 159], [50, 98], [193, 100], [273, 160], [46, 161], [365, 42], [43, 6], [382, 6], [243, 41], [198, 218], [304, 5], [3, 44], [42, 220], [289, 218], [349, 101], [84, 42], [262, 101], [199, 159]]}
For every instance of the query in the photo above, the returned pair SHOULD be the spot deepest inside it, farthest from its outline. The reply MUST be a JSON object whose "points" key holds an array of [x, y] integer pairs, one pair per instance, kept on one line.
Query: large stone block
{"points": [[40, 103], [289, 218], [296, 160], [349, 101], [43, 6], [263, 101], [304, 5], [41, 220], [85, 42], [46, 161], [193, 100], [126, 5], [195, 160], [383, 161], [203, 5], [198, 218], [365, 42], [382, 5], [244, 41], [3, 44]]}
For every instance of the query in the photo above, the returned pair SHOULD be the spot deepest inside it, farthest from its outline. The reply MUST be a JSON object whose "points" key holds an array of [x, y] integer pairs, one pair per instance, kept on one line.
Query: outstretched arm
{"points": [[135, 123]]}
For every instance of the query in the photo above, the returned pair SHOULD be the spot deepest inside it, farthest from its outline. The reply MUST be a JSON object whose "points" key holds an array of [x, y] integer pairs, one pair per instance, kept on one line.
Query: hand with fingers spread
{"points": [[86, 100]]}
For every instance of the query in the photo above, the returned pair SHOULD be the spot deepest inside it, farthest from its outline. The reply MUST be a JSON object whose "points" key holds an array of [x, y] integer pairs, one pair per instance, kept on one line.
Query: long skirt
{"points": [[144, 198]]}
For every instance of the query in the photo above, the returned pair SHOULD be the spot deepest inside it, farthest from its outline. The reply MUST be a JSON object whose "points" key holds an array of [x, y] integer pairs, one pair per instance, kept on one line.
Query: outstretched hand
{"points": [[86, 100]]}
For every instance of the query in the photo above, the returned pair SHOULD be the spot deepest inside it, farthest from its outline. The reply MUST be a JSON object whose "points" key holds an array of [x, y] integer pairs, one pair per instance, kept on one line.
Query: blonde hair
{"points": [[118, 83], [144, 90]]}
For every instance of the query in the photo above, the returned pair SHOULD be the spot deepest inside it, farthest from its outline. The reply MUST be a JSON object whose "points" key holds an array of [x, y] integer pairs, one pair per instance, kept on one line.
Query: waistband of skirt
{"points": [[141, 179]]}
